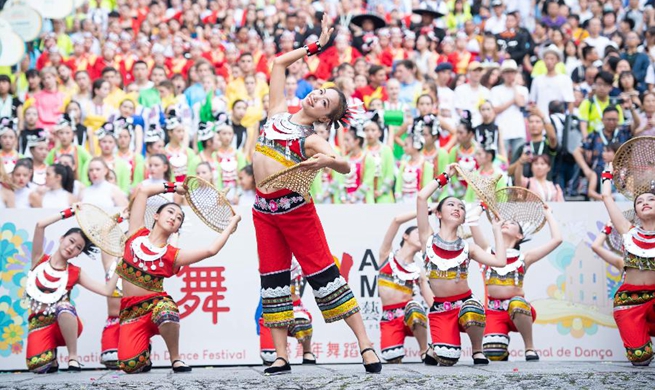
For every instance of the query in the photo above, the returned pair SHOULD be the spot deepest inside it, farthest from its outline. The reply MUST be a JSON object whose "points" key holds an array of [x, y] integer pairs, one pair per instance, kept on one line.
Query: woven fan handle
{"points": [[225, 200]]}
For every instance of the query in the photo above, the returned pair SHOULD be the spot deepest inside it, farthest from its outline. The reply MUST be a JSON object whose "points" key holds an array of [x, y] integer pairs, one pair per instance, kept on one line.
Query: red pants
{"points": [[634, 313], [449, 316], [500, 321], [140, 320], [109, 343], [301, 330], [44, 336], [286, 224], [396, 324]]}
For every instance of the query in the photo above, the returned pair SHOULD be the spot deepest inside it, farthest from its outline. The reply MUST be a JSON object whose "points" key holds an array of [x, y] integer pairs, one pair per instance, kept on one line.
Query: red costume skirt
{"points": [[301, 330], [140, 320], [500, 321], [44, 336], [449, 316], [634, 313], [396, 323], [286, 224], [109, 343]]}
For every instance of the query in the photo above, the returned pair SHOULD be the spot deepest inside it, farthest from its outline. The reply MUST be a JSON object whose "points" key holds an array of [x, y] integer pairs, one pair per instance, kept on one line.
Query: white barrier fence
{"points": [[219, 298]]}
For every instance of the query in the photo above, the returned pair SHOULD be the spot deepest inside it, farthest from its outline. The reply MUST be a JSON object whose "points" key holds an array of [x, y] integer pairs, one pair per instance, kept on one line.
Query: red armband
{"points": [[67, 213], [606, 175], [313, 48], [119, 219], [170, 186], [442, 179], [607, 230]]}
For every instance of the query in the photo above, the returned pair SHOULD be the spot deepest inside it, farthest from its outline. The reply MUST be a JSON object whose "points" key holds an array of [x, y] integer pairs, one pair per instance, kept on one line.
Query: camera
{"points": [[616, 100]]}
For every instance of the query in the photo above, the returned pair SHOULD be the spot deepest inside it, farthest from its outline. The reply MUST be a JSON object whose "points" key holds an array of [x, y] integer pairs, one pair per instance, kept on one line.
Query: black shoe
{"points": [[430, 360], [372, 368], [53, 369], [76, 368], [308, 361], [180, 369], [477, 361], [147, 368], [278, 370], [533, 357]]}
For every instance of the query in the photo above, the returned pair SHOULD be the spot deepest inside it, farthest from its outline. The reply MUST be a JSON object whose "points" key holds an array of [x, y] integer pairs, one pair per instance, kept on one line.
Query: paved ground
{"points": [[512, 375]]}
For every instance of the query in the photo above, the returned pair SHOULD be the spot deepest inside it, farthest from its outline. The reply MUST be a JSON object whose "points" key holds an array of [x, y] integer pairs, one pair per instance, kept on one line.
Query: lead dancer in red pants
{"points": [[286, 224]]}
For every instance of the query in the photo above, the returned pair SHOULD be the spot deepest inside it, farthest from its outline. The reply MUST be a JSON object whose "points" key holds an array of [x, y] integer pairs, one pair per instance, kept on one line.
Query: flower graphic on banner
{"points": [[581, 298], [15, 255]]}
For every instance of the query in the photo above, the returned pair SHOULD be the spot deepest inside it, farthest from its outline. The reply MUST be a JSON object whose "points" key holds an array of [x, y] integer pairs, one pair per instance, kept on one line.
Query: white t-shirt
{"points": [[599, 43], [546, 89], [466, 98], [496, 25], [446, 98], [510, 121]]}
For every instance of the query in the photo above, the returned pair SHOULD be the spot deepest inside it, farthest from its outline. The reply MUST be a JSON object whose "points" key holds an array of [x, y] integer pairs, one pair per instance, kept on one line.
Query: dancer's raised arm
{"points": [[621, 223]]}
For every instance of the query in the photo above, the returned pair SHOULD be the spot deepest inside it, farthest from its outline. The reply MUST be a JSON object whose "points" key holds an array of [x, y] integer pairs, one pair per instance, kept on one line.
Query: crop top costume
{"points": [[146, 265], [447, 260], [283, 140], [639, 249], [510, 275], [401, 277], [48, 286]]}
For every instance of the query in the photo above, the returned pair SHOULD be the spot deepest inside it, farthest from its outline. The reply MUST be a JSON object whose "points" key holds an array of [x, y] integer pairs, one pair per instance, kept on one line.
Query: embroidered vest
{"points": [[639, 249], [401, 277], [510, 275], [447, 260], [283, 140]]}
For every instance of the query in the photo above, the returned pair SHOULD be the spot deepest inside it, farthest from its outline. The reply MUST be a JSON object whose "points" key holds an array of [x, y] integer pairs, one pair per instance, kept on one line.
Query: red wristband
{"points": [[607, 175], [313, 48], [607, 230], [119, 219], [170, 186], [442, 179], [67, 213], [484, 206]]}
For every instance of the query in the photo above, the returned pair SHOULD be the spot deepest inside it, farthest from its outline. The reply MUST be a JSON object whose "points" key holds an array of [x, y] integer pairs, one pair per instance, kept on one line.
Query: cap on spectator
{"points": [[445, 66], [552, 49], [205, 131], [497, 3], [410, 35], [378, 22], [63, 122], [475, 65], [35, 139], [154, 133], [431, 8], [509, 66], [384, 32], [6, 124], [106, 129]]}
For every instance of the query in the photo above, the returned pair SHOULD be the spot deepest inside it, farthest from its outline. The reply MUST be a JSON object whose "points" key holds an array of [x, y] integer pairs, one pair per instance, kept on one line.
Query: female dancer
{"points": [[58, 190], [384, 163], [507, 309], [399, 279], [53, 321], [146, 309], [358, 183], [454, 309], [9, 155], [414, 172], [301, 329], [633, 303], [286, 224], [101, 193], [20, 180], [183, 159]]}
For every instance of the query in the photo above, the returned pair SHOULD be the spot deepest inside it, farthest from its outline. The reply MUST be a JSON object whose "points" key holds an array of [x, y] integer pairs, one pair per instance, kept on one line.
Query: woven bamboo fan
{"points": [[152, 205], [521, 206], [634, 167], [484, 187], [102, 229], [295, 178], [615, 239], [209, 204]]}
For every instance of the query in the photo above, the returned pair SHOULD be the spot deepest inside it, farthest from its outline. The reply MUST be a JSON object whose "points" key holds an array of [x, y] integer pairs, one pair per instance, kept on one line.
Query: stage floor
{"points": [[506, 375]]}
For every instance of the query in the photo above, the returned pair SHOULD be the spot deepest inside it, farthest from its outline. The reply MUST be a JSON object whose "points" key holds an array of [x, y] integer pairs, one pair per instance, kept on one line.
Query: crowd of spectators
{"points": [[539, 93]]}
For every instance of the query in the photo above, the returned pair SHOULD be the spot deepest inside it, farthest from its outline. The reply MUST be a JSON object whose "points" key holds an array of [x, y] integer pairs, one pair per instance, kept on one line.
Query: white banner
{"points": [[219, 298]]}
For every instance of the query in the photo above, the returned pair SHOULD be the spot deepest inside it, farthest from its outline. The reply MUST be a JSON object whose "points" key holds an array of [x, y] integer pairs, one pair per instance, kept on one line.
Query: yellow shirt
{"points": [[115, 97], [236, 89]]}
